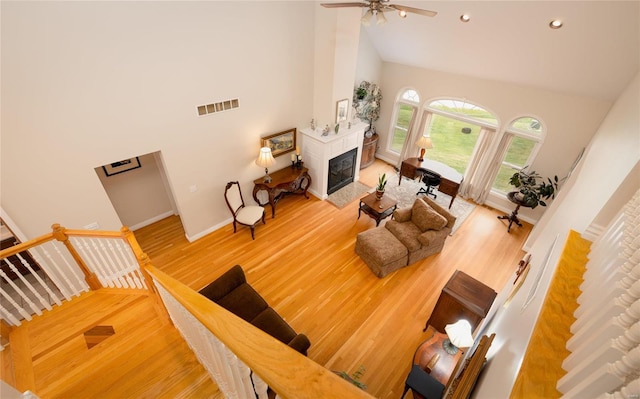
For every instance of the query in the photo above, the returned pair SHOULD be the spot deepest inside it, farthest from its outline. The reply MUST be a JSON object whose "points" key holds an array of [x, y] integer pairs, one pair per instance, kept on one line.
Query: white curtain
{"points": [[479, 175], [414, 131]]}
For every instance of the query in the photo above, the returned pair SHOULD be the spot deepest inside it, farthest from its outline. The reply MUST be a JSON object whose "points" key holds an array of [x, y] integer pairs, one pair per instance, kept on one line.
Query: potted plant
{"points": [[532, 189], [382, 183]]}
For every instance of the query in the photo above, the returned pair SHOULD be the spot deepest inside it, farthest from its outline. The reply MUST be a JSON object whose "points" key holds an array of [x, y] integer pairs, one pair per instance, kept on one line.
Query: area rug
{"points": [[348, 193], [405, 194]]}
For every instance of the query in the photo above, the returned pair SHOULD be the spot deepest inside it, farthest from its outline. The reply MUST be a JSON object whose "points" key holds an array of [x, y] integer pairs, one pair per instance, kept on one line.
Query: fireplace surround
{"points": [[318, 150]]}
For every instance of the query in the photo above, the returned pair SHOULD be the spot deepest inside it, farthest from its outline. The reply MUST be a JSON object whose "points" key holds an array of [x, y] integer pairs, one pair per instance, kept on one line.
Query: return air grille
{"points": [[218, 107]]}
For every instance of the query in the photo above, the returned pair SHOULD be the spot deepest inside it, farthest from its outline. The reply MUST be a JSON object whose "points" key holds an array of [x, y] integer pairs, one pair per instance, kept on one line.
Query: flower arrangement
{"points": [[366, 99]]}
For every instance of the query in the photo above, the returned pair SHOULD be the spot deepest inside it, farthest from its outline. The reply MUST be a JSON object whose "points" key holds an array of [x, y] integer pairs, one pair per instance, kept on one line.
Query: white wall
{"points": [[369, 62], [570, 120], [87, 83], [611, 160], [138, 196]]}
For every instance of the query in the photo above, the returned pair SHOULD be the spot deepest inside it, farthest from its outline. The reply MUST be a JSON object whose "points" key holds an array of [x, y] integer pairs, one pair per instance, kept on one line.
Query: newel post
{"points": [[59, 233], [144, 262]]}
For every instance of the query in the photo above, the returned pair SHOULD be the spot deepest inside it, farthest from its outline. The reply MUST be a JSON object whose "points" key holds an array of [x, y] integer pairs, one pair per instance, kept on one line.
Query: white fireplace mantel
{"points": [[317, 150]]}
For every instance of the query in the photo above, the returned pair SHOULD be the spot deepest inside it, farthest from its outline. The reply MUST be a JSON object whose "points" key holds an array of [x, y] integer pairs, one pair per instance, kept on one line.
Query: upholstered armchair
{"points": [[422, 228], [248, 215]]}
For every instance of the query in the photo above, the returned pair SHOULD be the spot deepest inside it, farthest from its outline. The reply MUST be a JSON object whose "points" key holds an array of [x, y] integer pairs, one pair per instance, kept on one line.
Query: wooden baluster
{"points": [[90, 277]]}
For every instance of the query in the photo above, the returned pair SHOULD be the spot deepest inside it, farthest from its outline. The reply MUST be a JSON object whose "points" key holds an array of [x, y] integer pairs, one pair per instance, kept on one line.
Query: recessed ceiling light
{"points": [[555, 24], [465, 18]]}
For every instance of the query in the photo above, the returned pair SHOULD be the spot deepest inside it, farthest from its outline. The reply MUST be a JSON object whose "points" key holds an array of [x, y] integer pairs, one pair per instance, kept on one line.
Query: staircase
{"points": [[109, 343]]}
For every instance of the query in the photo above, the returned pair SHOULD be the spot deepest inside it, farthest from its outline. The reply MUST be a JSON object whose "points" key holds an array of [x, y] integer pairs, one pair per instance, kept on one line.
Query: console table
{"points": [[450, 178], [290, 180]]}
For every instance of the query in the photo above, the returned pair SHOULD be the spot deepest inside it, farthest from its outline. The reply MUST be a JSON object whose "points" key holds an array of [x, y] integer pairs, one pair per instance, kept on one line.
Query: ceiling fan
{"points": [[378, 7]]}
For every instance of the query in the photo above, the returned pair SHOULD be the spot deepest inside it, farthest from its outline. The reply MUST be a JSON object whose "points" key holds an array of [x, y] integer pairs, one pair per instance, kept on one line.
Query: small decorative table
{"points": [[377, 209], [513, 217], [290, 180]]}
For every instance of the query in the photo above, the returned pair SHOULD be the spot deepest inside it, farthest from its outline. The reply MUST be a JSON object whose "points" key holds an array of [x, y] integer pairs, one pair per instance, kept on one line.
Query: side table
{"points": [[513, 217], [463, 297], [377, 209], [290, 180]]}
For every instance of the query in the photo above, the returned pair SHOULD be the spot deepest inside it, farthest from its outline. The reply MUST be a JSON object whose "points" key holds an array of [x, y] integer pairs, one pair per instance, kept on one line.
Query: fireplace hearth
{"points": [[341, 170]]}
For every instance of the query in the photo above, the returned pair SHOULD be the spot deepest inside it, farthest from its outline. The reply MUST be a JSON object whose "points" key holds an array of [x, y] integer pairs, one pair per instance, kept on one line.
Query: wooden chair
{"points": [[246, 215]]}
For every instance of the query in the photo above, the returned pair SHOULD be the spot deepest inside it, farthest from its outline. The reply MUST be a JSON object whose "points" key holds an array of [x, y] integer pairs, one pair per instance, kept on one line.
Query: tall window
{"points": [[404, 112], [524, 136], [455, 128]]}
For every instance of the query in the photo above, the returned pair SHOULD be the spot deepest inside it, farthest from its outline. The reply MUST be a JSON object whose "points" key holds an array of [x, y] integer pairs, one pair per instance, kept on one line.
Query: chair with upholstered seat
{"points": [[430, 179], [248, 215]]}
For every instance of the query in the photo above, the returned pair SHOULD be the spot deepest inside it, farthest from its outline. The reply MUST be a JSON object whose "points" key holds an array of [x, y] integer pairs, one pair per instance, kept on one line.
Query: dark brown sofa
{"points": [[232, 292]]}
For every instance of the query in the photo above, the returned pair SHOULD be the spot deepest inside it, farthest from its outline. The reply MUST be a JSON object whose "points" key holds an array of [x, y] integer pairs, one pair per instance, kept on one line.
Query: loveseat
{"points": [[232, 292], [414, 233]]}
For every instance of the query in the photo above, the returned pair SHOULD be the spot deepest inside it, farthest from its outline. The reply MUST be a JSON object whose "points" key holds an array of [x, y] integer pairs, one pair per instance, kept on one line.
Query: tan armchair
{"points": [[414, 233], [422, 228]]}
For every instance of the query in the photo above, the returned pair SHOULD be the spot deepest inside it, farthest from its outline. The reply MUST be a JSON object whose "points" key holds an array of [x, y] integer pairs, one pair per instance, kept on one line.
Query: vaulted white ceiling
{"points": [[596, 53]]}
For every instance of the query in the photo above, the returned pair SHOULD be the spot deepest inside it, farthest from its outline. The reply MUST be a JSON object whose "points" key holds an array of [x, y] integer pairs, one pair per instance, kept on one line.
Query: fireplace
{"points": [[341, 170]]}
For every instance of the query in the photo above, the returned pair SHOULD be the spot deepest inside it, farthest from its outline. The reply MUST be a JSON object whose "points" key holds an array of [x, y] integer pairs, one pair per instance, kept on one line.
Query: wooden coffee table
{"points": [[377, 209]]}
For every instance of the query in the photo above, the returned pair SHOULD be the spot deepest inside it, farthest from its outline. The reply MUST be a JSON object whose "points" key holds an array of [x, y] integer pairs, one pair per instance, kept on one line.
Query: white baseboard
{"points": [[151, 221], [208, 231]]}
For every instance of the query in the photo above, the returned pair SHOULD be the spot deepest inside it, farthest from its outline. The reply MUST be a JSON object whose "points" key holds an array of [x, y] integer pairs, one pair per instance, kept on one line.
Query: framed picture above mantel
{"points": [[280, 143]]}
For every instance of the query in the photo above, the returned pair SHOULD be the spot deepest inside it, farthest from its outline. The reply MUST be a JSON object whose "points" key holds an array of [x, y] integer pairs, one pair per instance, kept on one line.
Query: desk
{"points": [[450, 178], [285, 181], [445, 367]]}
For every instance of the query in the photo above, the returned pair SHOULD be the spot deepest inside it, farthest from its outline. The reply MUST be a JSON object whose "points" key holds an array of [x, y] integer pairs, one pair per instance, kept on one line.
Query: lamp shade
{"points": [[366, 18], [265, 158], [459, 333], [424, 142], [380, 18]]}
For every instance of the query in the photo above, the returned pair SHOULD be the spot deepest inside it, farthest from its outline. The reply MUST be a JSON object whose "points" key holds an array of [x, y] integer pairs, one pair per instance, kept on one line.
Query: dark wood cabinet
{"points": [[463, 297], [369, 146]]}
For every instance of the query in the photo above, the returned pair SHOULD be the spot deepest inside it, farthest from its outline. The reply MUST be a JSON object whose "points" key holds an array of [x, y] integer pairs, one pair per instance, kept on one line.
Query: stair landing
{"points": [[106, 344]]}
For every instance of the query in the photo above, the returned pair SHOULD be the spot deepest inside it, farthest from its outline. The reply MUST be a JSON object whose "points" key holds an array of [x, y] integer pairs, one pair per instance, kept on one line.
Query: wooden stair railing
{"points": [[287, 372]]}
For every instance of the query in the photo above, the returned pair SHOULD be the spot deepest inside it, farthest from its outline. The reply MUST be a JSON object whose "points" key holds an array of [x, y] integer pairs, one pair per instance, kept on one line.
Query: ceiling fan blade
{"points": [[336, 5], [426, 13]]}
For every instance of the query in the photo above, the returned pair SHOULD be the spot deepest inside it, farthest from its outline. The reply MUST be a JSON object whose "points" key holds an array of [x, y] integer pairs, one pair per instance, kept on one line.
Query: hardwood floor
{"points": [[142, 356], [303, 263]]}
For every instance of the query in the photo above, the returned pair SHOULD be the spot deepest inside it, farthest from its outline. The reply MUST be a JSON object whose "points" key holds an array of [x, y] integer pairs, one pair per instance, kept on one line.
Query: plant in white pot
{"points": [[533, 189]]}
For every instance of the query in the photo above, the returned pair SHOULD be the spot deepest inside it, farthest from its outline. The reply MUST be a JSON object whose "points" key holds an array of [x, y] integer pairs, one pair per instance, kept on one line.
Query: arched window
{"points": [[519, 146], [404, 113], [456, 128]]}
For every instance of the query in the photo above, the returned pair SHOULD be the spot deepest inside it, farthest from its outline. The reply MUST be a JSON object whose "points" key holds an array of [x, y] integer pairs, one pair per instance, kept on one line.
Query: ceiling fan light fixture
{"points": [[380, 18], [366, 18], [402, 13], [465, 18]]}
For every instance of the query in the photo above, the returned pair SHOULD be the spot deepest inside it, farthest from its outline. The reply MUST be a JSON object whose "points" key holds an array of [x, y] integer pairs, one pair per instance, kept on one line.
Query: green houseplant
{"points": [[533, 189], [382, 183]]}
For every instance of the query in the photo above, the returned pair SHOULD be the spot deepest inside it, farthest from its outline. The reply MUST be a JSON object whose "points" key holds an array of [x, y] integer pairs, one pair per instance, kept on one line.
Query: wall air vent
{"points": [[218, 107]]}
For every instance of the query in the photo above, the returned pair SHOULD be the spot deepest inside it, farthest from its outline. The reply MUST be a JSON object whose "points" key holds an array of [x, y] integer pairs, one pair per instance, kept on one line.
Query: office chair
{"points": [[431, 180]]}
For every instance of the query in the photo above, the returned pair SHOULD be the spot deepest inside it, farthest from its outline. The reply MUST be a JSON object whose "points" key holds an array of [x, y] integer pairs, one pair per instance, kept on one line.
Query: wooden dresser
{"points": [[463, 297]]}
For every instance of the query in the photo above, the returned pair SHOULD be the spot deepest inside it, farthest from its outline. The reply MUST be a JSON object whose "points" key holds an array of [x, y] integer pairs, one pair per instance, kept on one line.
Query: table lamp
{"points": [[459, 336], [423, 142], [265, 159]]}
